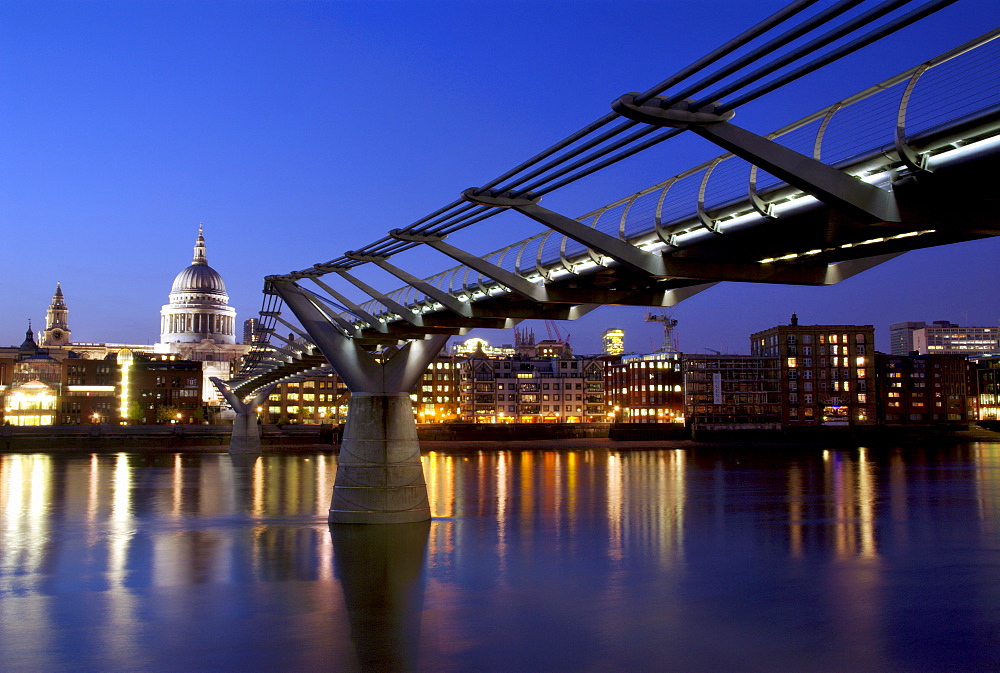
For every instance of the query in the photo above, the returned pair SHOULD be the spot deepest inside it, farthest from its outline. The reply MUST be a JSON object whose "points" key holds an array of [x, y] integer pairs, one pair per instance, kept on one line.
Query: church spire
{"points": [[56, 320], [199, 249]]}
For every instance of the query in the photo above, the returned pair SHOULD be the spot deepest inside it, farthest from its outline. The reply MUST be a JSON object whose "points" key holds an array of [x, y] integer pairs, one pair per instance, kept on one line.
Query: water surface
{"points": [[759, 559]]}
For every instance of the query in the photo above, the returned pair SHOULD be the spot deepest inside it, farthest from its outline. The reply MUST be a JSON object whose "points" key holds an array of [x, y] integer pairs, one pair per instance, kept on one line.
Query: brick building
{"points": [[646, 388], [925, 389], [827, 372]]}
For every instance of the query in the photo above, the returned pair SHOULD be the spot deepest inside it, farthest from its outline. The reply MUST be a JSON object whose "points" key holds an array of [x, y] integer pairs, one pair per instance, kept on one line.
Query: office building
{"points": [[613, 341], [943, 338]]}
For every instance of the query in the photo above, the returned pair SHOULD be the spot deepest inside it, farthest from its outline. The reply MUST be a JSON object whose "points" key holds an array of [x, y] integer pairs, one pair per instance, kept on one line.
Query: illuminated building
{"points": [[323, 399], [198, 307], [159, 388], [437, 396], [198, 324], [613, 341], [31, 403], [251, 331], [827, 372], [943, 338], [988, 380], [732, 392], [90, 391], [925, 389], [475, 344], [307, 400], [646, 389], [518, 389]]}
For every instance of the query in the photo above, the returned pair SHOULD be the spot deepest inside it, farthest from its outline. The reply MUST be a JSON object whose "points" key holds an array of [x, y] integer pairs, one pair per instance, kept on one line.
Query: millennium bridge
{"points": [[908, 163]]}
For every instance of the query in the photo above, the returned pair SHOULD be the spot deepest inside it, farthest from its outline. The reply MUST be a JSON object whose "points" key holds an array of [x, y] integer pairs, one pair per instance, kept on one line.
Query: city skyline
{"points": [[127, 125]]}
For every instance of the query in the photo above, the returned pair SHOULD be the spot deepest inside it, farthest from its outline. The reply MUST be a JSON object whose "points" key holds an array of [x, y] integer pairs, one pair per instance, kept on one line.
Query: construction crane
{"points": [[668, 331], [554, 333]]}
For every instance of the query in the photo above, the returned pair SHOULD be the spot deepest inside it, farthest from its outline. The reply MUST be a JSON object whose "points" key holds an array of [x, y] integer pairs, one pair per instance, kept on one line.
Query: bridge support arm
{"points": [[866, 202], [400, 310], [621, 251], [514, 282], [445, 299], [374, 322]]}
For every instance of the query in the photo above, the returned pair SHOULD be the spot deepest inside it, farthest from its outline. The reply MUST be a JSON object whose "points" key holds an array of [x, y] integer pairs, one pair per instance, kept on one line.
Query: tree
{"points": [[167, 413], [133, 413]]}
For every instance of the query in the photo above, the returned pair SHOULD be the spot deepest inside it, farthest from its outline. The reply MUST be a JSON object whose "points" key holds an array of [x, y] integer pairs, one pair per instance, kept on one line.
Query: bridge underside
{"points": [[955, 203]]}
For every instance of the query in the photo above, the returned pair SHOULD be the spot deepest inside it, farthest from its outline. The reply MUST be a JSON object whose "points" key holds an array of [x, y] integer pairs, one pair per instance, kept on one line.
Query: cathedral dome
{"points": [[198, 304], [199, 278]]}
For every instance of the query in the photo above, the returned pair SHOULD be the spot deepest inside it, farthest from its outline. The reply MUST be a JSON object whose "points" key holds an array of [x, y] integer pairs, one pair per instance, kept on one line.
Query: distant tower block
{"points": [[668, 331], [613, 341], [56, 321]]}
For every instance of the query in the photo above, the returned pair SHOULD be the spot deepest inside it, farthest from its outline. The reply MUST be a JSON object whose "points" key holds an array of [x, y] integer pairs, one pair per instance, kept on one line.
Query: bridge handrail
{"points": [[572, 254], [658, 222]]}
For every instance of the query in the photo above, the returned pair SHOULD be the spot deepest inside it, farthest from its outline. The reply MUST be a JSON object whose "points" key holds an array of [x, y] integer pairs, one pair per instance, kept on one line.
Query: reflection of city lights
{"points": [[614, 508]]}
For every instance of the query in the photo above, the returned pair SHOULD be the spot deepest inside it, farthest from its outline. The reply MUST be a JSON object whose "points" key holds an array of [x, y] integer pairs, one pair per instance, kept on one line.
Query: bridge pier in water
{"points": [[246, 430], [380, 479]]}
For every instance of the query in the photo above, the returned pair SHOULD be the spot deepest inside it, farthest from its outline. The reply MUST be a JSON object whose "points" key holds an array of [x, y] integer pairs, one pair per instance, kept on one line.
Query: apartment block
{"points": [[826, 371]]}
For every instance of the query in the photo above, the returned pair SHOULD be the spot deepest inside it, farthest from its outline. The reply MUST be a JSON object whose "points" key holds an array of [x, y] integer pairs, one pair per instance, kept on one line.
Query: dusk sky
{"points": [[296, 131]]}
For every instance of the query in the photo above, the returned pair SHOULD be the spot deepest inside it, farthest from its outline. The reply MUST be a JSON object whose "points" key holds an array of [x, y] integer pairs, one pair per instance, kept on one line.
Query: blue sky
{"points": [[298, 130]]}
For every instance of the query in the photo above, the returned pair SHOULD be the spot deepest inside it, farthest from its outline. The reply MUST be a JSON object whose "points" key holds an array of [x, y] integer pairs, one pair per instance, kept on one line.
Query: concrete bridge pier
{"points": [[246, 431], [379, 475]]}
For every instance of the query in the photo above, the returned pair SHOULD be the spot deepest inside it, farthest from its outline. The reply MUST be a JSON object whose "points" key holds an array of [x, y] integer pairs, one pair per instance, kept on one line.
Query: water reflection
{"points": [[380, 568], [112, 560]]}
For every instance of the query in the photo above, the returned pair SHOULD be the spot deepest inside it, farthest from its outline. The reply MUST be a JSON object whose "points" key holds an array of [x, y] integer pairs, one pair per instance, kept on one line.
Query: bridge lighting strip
{"points": [[984, 145], [870, 241]]}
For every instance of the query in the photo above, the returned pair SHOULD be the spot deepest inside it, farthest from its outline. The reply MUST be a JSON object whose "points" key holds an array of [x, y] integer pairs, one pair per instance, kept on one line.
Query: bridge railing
{"points": [[898, 113], [890, 126]]}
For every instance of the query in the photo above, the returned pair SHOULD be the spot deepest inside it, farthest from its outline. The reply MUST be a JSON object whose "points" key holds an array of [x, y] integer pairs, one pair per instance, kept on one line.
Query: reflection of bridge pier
{"points": [[380, 569]]}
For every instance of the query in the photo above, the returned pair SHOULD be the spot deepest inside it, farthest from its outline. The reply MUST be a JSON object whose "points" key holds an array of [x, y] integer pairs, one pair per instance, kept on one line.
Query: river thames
{"points": [[752, 559]]}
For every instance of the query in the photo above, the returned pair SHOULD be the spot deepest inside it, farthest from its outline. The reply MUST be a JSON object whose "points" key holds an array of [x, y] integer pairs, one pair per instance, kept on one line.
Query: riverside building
{"points": [[925, 389], [988, 387], [827, 372], [732, 392], [646, 389], [526, 389]]}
